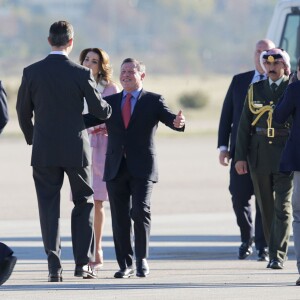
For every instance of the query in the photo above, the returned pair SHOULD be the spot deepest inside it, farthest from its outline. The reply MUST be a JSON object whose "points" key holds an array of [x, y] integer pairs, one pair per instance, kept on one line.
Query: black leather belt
{"points": [[272, 132]]}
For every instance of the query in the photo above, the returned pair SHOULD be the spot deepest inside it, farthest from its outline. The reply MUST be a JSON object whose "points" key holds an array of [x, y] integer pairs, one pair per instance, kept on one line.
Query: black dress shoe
{"points": [[142, 268], [84, 271], [55, 277], [276, 264], [6, 268], [124, 273], [245, 250], [298, 281], [263, 255]]}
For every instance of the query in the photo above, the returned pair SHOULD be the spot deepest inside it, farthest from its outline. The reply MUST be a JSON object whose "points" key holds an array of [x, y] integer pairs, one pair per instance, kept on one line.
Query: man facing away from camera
{"points": [[52, 92]]}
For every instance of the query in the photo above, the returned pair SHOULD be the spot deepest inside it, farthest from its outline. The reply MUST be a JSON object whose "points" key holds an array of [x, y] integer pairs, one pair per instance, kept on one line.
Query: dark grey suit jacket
{"points": [[137, 141], [52, 92]]}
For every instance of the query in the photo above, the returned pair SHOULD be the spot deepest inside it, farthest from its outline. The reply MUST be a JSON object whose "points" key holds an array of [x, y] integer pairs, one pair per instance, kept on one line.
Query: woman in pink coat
{"points": [[98, 61]]}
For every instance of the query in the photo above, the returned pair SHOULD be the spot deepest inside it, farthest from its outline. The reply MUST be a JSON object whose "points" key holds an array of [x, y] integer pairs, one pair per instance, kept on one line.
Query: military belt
{"points": [[275, 131]]}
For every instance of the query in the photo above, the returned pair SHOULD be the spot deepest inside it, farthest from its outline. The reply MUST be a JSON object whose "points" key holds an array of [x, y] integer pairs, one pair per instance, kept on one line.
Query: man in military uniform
{"points": [[260, 140], [241, 187]]}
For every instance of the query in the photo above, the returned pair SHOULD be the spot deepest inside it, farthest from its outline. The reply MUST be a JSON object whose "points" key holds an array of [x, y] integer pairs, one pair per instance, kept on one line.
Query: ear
{"points": [[143, 75], [70, 43], [49, 41]]}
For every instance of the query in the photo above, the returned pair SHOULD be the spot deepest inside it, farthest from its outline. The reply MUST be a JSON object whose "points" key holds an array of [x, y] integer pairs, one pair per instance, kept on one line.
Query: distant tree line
{"points": [[170, 36]]}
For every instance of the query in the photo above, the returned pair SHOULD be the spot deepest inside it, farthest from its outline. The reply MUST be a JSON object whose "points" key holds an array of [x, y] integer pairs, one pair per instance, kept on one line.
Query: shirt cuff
{"points": [[223, 148]]}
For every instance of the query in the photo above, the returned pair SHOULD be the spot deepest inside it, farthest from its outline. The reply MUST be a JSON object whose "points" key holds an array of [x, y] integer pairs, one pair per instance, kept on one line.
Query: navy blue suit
{"points": [[289, 105], [131, 169], [240, 186]]}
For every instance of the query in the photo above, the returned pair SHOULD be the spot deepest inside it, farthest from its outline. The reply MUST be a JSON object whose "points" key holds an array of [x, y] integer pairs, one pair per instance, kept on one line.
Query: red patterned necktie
{"points": [[126, 111]]}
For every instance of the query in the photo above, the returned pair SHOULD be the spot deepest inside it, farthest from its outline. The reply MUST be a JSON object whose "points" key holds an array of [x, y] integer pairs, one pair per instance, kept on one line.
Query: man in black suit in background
{"points": [[7, 259], [240, 186], [131, 164], [53, 91]]}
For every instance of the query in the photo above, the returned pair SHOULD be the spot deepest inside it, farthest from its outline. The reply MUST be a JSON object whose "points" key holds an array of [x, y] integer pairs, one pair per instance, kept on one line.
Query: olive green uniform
{"points": [[262, 148]]}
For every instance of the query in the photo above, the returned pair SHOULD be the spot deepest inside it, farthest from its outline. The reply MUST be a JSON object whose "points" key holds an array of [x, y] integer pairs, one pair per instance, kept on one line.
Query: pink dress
{"points": [[98, 141]]}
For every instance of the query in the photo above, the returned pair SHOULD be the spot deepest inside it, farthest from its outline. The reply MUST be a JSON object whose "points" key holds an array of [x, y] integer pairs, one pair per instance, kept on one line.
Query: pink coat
{"points": [[98, 140]]}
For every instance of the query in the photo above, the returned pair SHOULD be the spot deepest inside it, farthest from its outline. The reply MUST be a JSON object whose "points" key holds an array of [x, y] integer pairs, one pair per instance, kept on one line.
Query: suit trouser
{"points": [[273, 193], [5, 251], [130, 200], [48, 183], [296, 216], [241, 189]]}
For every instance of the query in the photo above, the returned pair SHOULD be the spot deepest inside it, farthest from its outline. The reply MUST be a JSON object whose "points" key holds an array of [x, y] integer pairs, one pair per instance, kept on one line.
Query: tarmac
{"points": [[194, 236]]}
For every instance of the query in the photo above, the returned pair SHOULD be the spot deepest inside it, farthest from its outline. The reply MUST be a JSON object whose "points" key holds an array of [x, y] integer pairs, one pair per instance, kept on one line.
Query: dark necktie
{"points": [[273, 87], [126, 111]]}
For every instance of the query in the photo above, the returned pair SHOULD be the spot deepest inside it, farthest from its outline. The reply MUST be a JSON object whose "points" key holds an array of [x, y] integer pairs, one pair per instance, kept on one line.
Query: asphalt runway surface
{"points": [[194, 240]]}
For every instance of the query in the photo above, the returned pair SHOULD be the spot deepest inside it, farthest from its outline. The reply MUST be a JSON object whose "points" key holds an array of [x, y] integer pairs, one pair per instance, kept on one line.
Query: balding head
{"points": [[261, 46]]}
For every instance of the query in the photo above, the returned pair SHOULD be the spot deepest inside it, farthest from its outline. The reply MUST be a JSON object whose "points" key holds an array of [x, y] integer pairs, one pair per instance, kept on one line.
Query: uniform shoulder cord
{"points": [[260, 111]]}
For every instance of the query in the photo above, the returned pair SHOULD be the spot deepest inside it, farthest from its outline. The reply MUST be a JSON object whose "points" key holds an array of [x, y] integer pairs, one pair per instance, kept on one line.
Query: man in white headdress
{"points": [[260, 141]]}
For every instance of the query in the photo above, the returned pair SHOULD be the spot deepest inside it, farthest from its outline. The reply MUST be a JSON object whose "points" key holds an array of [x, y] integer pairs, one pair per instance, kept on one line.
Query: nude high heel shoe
{"points": [[98, 263]]}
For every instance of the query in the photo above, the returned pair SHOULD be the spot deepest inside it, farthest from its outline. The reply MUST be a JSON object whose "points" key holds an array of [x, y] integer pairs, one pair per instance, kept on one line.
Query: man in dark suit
{"points": [[131, 164], [241, 187], [260, 141], [7, 259], [53, 91], [288, 106]]}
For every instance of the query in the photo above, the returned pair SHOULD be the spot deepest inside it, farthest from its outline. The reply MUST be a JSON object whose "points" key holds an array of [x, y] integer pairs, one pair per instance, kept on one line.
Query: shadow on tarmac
{"points": [[190, 247]]}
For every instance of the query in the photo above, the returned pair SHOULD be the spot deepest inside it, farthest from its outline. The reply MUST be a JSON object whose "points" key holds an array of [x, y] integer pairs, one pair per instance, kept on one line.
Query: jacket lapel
{"points": [[117, 109], [282, 86]]}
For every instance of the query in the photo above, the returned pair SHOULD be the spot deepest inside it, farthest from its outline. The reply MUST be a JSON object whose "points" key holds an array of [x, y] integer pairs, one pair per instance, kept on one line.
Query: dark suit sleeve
{"points": [[166, 116], [91, 121], [3, 108], [93, 97], [25, 110], [286, 106], [226, 118]]}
